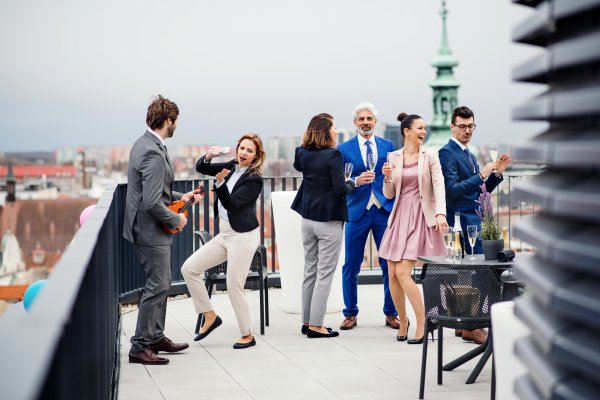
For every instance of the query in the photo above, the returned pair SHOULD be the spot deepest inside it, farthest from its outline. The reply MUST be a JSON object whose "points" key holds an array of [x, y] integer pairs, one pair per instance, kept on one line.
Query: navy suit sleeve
{"points": [[297, 164], [455, 188], [492, 182], [341, 187]]}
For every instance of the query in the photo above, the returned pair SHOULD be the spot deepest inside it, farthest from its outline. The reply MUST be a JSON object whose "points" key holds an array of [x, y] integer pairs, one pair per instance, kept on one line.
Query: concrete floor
{"points": [[364, 363]]}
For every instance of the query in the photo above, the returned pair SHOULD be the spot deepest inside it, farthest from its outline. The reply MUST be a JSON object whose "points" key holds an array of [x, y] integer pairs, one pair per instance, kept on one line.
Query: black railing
{"points": [[66, 346]]}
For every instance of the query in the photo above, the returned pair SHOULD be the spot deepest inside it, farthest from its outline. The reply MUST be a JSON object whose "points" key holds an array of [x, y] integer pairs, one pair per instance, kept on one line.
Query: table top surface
{"points": [[480, 260]]}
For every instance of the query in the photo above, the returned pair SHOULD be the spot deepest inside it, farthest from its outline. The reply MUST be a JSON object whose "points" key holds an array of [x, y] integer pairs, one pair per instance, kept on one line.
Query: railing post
{"points": [[272, 229], [262, 215]]}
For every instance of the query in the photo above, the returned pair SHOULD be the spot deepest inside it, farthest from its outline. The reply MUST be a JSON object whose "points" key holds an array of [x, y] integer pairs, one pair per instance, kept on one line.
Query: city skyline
{"points": [[68, 81]]}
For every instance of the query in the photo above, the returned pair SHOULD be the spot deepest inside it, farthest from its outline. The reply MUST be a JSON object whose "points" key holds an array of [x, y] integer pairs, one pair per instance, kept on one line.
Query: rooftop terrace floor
{"points": [[364, 363]]}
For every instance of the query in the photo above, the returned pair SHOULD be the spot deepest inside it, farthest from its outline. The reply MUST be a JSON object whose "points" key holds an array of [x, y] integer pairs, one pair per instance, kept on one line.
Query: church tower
{"points": [[445, 92]]}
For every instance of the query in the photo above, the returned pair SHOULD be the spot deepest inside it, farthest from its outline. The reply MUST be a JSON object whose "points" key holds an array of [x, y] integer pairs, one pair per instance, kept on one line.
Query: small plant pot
{"points": [[491, 248]]}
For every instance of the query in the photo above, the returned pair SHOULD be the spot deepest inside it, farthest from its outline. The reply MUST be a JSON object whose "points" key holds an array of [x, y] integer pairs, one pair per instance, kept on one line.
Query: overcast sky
{"points": [[81, 73]]}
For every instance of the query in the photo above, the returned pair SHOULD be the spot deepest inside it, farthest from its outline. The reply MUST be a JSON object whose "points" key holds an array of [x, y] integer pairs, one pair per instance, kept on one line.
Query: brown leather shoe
{"points": [[348, 323], [393, 321], [147, 356], [478, 335], [168, 346], [458, 332]]}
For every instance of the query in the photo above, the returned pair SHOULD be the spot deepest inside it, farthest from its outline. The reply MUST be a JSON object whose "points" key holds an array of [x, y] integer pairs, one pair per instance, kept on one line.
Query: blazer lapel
{"points": [[400, 166], [462, 155], [356, 147], [380, 152], [420, 167]]}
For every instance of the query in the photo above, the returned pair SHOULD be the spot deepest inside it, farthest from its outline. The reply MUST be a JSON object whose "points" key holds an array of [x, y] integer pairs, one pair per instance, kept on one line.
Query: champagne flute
{"points": [[348, 170], [447, 235], [494, 152], [472, 232], [451, 239], [370, 162], [390, 161]]}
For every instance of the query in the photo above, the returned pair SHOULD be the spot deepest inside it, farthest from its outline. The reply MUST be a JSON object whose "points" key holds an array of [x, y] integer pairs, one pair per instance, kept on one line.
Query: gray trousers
{"points": [[322, 244], [152, 310]]}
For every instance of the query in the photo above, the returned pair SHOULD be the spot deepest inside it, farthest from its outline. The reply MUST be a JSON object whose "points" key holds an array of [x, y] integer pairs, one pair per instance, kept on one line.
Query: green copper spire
{"points": [[445, 91]]}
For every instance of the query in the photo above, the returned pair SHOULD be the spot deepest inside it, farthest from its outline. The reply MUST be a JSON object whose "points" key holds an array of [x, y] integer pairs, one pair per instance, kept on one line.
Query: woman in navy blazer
{"points": [[321, 201]]}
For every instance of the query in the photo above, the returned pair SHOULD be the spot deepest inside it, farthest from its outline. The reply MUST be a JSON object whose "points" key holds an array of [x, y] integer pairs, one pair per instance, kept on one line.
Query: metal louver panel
{"points": [[562, 353]]}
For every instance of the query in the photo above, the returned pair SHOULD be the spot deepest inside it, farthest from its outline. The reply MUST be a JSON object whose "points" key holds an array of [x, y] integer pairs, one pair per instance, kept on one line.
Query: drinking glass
{"points": [[472, 232], [447, 235], [348, 170], [390, 161], [451, 246], [370, 162], [494, 152]]}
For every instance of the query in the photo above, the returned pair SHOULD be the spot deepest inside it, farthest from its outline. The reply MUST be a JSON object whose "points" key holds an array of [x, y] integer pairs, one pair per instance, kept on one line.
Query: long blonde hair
{"points": [[257, 164]]}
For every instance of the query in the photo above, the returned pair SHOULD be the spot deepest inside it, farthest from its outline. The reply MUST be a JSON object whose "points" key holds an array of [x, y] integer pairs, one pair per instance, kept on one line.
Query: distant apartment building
{"points": [[282, 147]]}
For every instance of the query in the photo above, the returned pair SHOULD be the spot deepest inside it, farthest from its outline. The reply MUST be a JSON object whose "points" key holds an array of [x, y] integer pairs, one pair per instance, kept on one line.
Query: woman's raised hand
{"points": [[440, 222], [387, 170], [221, 175], [210, 154]]}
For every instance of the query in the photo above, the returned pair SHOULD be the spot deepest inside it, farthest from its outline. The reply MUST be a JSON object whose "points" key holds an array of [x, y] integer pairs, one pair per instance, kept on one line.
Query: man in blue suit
{"points": [[462, 178], [368, 210]]}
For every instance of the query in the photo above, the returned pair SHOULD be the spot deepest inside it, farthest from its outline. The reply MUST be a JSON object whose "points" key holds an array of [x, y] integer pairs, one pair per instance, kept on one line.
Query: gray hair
{"points": [[364, 107]]}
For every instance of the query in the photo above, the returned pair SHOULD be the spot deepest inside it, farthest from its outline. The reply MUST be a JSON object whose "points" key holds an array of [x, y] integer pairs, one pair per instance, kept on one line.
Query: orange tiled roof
{"points": [[36, 171]]}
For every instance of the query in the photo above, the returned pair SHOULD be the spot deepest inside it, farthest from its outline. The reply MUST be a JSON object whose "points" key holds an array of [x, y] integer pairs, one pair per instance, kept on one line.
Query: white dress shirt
{"points": [[362, 145], [158, 136], [235, 176], [463, 148]]}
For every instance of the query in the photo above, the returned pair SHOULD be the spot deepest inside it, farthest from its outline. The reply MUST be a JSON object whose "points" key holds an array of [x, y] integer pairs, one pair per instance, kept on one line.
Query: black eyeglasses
{"points": [[464, 127]]}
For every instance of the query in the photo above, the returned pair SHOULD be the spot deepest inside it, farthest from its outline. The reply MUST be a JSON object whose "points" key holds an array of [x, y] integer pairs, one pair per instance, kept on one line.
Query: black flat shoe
{"points": [[304, 329], [314, 334], [245, 345], [215, 325], [405, 337]]}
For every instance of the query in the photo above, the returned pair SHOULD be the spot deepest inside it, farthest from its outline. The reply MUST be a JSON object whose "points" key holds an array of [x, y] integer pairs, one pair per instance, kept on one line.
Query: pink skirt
{"points": [[409, 236]]}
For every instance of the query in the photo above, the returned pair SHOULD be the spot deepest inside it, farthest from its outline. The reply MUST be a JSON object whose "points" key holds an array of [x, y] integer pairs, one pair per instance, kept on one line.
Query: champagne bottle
{"points": [[459, 236]]}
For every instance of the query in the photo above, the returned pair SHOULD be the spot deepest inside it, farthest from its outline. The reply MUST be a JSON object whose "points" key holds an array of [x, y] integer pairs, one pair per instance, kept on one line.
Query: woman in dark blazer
{"points": [[321, 201], [239, 183]]}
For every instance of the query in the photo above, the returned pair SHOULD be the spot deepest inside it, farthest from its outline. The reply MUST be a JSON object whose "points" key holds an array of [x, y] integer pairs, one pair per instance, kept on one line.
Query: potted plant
{"points": [[490, 231]]}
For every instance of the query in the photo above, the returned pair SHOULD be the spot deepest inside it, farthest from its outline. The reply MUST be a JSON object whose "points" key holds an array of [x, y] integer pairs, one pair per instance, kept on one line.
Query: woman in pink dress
{"points": [[416, 221]]}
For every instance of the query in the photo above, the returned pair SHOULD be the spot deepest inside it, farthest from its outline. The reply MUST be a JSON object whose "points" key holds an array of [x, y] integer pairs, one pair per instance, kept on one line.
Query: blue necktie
{"points": [[470, 157], [369, 151]]}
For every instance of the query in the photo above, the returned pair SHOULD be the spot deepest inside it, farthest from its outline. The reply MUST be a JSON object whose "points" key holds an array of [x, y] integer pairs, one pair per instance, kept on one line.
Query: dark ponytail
{"points": [[406, 121]]}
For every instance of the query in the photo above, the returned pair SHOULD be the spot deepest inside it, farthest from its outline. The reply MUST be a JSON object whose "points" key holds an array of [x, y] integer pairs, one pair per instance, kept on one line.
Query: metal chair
{"points": [[460, 297], [258, 273]]}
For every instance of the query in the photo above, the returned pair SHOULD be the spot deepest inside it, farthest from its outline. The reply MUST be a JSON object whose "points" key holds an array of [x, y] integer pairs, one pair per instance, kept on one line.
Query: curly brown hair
{"points": [[159, 111], [317, 135]]}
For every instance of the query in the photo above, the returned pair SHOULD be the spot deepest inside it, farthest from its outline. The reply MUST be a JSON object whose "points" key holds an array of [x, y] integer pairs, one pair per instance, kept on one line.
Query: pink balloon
{"points": [[85, 214]]}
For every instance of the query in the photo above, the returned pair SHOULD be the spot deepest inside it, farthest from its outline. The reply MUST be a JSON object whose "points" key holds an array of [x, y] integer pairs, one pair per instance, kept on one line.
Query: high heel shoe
{"points": [[431, 329], [405, 337]]}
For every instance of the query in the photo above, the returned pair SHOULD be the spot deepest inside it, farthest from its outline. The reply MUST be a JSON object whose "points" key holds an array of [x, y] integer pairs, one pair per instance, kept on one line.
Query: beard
{"points": [[170, 130], [366, 130]]}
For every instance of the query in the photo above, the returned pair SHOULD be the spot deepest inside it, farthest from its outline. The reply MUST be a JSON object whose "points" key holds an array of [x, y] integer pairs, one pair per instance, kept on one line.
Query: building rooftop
{"points": [[364, 363]]}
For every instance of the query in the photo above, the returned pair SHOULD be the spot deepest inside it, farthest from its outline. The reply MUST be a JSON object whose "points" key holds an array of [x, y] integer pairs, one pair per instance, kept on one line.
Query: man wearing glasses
{"points": [[462, 178]]}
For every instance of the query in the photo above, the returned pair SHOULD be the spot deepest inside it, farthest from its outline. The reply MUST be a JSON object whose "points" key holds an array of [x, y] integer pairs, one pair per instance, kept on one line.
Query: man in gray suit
{"points": [[150, 190]]}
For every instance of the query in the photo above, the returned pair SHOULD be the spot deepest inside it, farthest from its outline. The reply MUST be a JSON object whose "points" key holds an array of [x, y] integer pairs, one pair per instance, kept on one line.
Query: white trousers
{"points": [[238, 249]]}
